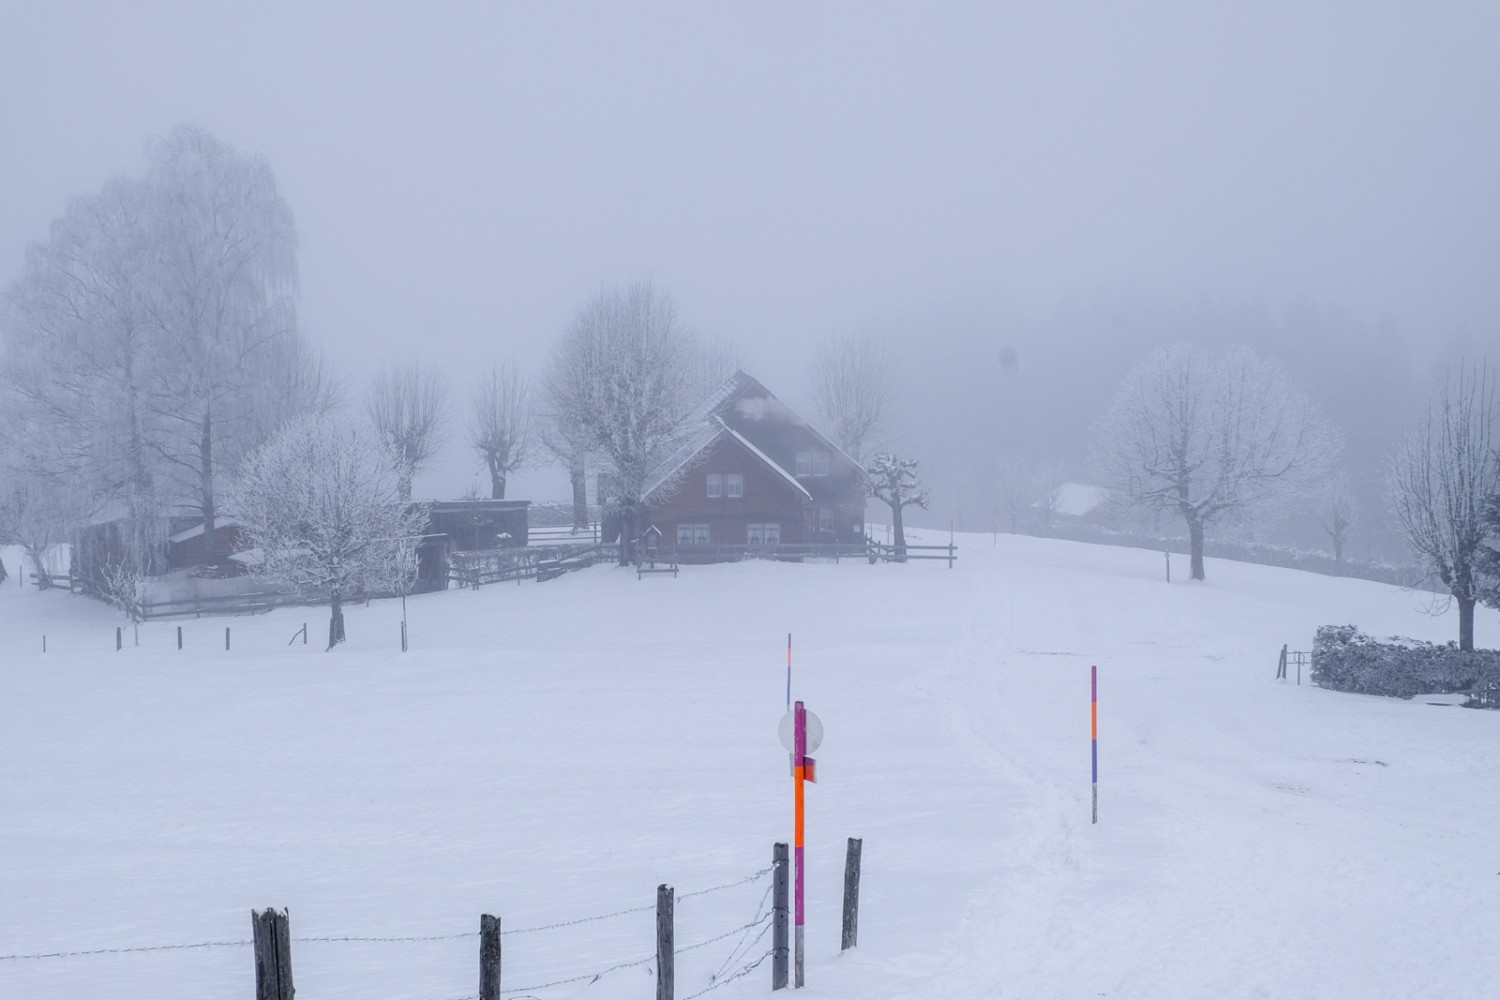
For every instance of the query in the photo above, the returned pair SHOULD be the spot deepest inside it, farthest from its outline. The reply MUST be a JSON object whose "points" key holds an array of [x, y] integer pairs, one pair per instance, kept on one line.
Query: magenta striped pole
{"points": [[1094, 731], [799, 772]]}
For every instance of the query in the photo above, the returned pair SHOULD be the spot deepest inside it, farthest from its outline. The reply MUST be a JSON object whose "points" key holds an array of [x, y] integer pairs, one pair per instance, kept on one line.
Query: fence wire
{"points": [[391, 939]]}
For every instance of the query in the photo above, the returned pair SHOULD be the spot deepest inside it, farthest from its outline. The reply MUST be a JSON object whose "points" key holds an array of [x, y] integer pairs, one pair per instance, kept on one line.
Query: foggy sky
{"points": [[464, 175]]}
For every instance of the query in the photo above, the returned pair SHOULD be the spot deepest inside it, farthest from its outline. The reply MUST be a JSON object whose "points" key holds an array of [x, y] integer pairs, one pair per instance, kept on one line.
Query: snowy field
{"points": [[554, 751]]}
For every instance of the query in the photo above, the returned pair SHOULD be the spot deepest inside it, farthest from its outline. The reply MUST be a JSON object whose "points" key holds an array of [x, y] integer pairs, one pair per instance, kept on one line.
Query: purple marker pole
{"points": [[1094, 731]]}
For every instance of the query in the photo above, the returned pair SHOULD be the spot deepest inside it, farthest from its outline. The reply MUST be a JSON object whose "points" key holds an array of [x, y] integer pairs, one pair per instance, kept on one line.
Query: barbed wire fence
{"points": [[745, 943]]}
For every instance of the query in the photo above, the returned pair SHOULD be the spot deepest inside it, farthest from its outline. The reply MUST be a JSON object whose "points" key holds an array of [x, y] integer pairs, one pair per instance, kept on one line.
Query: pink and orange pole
{"points": [[1094, 731]]}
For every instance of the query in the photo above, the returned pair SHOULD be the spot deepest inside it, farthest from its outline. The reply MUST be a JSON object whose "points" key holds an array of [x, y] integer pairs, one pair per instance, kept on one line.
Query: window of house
{"points": [[734, 485], [763, 534], [825, 519], [715, 485], [812, 463], [692, 534]]}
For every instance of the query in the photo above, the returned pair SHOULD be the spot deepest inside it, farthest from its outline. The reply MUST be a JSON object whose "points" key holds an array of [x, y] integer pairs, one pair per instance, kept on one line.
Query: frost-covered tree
{"points": [[569, 445], [894, 481], [82, 359], [850, 384], [322, 503], [500, 424], [1210, 437], [1444, 474], [620, 381], [222, 295], [151, 340], [1336, 511], [408, 406], [1489, 553]]}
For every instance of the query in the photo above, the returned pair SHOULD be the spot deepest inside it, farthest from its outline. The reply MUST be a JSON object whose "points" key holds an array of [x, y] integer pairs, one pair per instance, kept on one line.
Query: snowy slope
{"points": [[548, 752]]}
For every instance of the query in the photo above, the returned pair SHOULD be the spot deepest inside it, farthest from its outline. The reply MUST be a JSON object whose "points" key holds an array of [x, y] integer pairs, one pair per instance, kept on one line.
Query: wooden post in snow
{"points": [[489, 957], [119, 639], [781, 946], [664, 945], [851, 894], [273, 955], [179, 637], [226, 638]]}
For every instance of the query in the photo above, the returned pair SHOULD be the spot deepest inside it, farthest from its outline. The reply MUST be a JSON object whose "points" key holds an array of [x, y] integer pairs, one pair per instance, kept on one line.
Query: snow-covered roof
{"points": [[675, 463], [195, 531], [767, 459], [1078, 499]]}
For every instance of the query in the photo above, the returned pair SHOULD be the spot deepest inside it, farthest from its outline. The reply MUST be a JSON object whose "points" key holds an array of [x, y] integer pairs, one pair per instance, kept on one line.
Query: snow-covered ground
{"points": [[553, 751]]}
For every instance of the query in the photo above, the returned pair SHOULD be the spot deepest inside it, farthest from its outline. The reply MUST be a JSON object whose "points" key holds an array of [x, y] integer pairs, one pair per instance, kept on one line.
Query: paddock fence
{"points": [[717, 951]]}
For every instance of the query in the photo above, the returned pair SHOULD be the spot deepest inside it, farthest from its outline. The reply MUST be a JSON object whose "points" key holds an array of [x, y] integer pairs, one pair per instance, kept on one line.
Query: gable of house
{"points": [[757, 474]]}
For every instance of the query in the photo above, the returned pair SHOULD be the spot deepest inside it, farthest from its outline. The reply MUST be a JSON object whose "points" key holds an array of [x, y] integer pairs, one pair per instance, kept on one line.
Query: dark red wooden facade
{"points": [[765, 478]]}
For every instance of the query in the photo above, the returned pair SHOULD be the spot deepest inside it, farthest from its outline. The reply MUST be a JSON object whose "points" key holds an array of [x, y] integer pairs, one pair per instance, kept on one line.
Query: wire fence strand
{"points": [[379, 939]]}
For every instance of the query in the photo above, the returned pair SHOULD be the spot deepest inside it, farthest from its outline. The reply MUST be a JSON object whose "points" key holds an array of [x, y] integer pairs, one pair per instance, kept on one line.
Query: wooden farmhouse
{"points": [[756, 475]]}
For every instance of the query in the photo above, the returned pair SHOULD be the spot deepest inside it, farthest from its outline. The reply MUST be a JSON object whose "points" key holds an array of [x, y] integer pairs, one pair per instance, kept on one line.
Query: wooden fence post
{"points": [[851, 894], [1281, 664], [273, 955], [179, 637], [226, 637], [489, 957], [664, 945], [781, 948], [119, 639]]}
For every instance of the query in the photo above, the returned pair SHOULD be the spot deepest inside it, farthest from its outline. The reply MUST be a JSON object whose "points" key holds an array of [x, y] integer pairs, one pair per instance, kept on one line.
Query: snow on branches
{"points": [[1210, 436], [894, 481], [1444, 474], [322, 503], [621, 381]]}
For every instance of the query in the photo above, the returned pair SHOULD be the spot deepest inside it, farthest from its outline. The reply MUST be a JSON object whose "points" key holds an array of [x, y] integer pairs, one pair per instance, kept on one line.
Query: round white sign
{"points": [[787, 731]]}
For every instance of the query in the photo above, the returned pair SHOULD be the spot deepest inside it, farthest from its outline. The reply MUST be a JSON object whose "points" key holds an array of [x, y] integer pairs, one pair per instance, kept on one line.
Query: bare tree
{"points": [[322, 503], [621, 380], [1489, 554], [408, 406], [500, 424], [1444, 474], [223, 296], [1209, 437], [152, 338], [1336, 511], [850, 384], [894, 481], [569, 445]]}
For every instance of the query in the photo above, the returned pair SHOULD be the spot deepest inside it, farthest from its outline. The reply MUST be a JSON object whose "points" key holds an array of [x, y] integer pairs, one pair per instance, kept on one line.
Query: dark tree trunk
{"points": [[628, 522], [43, 580], [1465, 623], [577, 475], [497, 479], [1195, 543], [900, 532], [336, 621]]}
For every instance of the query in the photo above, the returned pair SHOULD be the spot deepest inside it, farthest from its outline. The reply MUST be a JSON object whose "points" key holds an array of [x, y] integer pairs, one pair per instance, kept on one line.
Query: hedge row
{"points": [[1345, 659]]}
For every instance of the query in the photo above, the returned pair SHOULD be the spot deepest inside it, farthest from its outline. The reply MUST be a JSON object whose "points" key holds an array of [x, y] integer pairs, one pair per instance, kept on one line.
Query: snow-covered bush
{"points": [[1346, 659], [322, 503]]}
